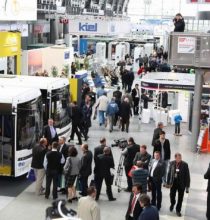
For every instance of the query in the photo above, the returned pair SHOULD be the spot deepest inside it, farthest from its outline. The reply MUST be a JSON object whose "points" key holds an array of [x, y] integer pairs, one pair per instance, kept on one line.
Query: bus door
{"points": [[6, 145]]}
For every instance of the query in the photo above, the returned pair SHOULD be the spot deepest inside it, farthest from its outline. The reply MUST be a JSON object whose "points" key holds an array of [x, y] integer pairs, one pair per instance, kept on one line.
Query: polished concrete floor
{"points": [[25, 205]]}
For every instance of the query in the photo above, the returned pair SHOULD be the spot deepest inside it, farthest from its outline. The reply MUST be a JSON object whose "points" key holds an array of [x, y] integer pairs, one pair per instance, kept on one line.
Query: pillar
{"points": [[53, 31], [199, 80]]}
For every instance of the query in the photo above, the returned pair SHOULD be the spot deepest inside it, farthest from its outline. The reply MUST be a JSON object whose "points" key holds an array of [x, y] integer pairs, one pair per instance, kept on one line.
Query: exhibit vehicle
{"points": [[55, 98], [21, 126]]}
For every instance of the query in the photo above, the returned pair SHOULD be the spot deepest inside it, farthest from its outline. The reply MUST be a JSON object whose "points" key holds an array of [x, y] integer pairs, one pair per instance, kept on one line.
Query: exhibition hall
{"points": [[104, 109]]}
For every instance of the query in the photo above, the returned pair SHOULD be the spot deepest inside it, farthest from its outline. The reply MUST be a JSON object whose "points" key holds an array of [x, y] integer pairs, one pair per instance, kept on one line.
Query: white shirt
{"points": [[61, 148], [52, 131], [137, 198], [162, 148], [154, 165], [137, 93]]}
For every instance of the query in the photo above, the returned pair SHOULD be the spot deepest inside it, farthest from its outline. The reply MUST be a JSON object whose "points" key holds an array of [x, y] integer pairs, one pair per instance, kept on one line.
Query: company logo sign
{"points": [[88, 27]]}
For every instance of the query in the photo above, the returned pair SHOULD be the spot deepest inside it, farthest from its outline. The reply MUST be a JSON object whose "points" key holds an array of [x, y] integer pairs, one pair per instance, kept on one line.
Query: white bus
{"points": [[55, 98], [20, 127]]}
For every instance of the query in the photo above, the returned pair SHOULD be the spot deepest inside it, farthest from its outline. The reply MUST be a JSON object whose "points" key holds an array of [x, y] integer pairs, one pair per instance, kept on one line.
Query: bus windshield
{"points": [[29, 124], [60, 104]]}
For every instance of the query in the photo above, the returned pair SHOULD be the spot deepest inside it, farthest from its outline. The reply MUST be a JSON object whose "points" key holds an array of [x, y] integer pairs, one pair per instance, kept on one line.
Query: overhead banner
{"points": [[165, 86], [98, 27], [18, 10], [186, 45]]}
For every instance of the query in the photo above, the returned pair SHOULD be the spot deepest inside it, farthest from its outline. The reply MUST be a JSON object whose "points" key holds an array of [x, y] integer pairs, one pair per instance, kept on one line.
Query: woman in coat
{"points": [[71, 171]]}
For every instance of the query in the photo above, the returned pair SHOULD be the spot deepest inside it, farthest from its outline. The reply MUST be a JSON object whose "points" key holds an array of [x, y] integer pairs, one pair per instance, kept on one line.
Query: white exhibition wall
{"points": [[39, 60]]}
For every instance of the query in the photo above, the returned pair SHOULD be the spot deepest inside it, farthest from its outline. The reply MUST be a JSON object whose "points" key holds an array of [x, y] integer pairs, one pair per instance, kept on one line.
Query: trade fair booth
{"points": [[10, 53], [170, 95], [52, 61]]}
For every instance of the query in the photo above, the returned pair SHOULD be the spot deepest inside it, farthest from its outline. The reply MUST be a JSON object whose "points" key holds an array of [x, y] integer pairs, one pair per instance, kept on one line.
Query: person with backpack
{"points": [[112, 109]]}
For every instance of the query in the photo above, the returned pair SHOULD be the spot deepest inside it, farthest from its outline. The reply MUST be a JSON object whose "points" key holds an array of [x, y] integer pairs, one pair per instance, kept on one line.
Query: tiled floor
{"points": [[27, 206]]}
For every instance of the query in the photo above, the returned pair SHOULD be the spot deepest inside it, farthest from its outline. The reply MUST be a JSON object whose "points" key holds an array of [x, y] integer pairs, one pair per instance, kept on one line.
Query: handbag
{"points": [[132, 168], [31, 175], [69, 167], [78, 184]]}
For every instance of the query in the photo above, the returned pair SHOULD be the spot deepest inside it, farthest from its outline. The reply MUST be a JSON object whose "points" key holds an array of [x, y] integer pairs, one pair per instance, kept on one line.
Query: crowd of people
{"points": [[145, 173], [58, 160]]}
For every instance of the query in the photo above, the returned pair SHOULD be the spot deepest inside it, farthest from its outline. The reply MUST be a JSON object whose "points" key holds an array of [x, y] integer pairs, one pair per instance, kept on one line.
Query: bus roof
{"points": [[39, 82], [15, 95]]}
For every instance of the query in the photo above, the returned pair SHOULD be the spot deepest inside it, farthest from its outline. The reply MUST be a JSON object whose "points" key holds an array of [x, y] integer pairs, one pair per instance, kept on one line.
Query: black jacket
{"points": [[47, 135], [65, 151], [145, 158], [145, 100], [166, 147], [130, 155], [207, 176], [149, 213], [53, 160], [125, 110], [97, 151], [137, 210], [156, 135], [76, 116], [117, 94], [105, 163], [179, 26], [134, 93], [38, 154], [86, 164], [183, 176], [158, 172]]}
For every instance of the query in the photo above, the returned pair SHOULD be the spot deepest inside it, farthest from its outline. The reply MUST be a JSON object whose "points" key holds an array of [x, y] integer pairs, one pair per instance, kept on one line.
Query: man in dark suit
{"points": [[143, 156], [64, 150], [156, 134], [156, 173], [163, 146], [179, 179], [117, 94], [50, 132], [52, 161], [136, 97], [98, 151], [76, 116], [134, 208], [105, 162], [125, 113], [207, 176], [86, 168], [149, 212], [129, 154]]}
